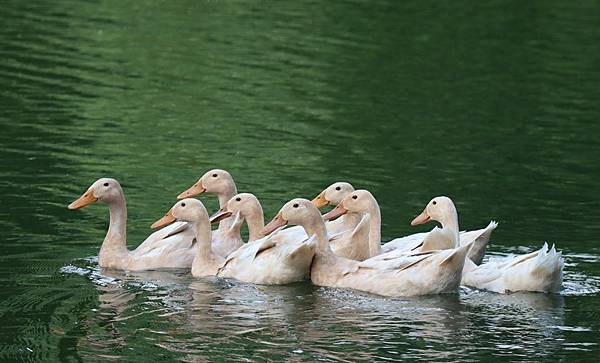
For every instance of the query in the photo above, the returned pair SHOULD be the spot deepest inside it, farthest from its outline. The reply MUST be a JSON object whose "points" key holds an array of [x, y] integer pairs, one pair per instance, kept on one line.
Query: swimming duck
{"points": [[170, 247], [434, 240], [412, 274], [279, 258], [443, 210], [219, 182], [539, 271], [192, 211]]}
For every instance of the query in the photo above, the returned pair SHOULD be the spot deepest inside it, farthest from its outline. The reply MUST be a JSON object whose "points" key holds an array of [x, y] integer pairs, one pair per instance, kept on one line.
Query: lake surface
{"points": [[495, 104]]}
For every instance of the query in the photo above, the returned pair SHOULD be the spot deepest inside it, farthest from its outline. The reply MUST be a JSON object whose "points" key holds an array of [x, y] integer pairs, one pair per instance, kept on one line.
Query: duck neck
{"points": [[350, 220], [116, 237], [316, 227], [235, 226], [375, 231], [224, 196], [450, 223], [203, 241], [256, 222]]}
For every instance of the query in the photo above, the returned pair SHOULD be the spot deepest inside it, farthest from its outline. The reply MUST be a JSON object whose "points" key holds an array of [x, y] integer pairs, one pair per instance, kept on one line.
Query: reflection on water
{"points": [[215, 318], [494, 104]]}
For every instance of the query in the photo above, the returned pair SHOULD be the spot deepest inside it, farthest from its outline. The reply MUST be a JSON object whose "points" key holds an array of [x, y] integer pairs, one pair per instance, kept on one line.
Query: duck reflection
{"points": [[118, 293], [352, 325], [197, 318], [519, 323]]}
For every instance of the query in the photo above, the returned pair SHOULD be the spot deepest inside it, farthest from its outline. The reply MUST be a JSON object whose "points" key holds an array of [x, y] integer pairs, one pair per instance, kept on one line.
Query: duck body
{"points": [[270, 261], [354, 243], [434, 272], [478, 239], [226, 240], [539, 271], [168, 248]]}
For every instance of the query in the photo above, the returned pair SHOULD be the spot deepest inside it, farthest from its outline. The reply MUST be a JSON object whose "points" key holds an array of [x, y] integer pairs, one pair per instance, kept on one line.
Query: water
{"points": [[495, 105]]}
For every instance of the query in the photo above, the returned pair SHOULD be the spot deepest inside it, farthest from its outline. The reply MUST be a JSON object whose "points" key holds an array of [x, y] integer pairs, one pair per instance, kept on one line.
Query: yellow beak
{"points": [[320, 201], [164, 221], [86, 199], [421, 218], [194, 190], [220, 215], [339, 210], [277, 222]]}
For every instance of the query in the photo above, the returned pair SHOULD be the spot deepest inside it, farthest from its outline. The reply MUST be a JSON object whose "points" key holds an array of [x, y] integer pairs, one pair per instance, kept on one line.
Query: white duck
{"points": [[351, 231], [281, 258], [225, 239], [168, 248], [417, 274], [426, 241], [539, 271], [206, 263]]}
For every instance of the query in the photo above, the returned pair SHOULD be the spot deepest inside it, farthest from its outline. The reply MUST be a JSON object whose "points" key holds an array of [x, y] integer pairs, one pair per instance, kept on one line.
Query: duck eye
{"points": [[434, 202], [296, 205], [105, 184], [238, 199], [215, 175], [183, 204], [355, 197], [338, 188]]}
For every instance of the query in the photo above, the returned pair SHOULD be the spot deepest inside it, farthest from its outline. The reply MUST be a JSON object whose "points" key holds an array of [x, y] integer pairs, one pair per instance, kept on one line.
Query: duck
{"points": [[225, 238], [275, 259], [539, 271], [349, 232], [171, 247], [192, 211], [439, 239], [413, 274]]}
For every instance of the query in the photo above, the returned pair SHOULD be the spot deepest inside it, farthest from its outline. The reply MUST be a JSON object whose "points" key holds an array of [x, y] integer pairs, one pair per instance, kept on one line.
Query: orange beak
{"points": [[194, 190], [164, 221], [319, 201], [276, 223], [86, 199], [220, 215], [421, 218], [339, 210]]}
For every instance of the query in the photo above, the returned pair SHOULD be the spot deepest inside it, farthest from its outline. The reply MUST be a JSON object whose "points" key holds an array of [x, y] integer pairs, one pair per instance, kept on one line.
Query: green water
{"points": [[495, 104]]}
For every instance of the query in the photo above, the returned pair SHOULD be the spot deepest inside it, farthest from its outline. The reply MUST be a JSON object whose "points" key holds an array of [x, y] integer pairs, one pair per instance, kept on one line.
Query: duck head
{"points": [[297, 211], [359, 201], [215, 181], [245, 204], [440, 209], [188, 210], [104, 190], [333, 194]]}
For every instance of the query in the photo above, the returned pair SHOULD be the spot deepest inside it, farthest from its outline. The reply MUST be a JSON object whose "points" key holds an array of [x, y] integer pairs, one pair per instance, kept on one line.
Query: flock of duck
{"points": [[341, 248]]}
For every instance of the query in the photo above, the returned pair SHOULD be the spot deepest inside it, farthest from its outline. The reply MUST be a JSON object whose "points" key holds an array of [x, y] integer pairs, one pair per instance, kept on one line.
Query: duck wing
{"points": [[174, 236]]}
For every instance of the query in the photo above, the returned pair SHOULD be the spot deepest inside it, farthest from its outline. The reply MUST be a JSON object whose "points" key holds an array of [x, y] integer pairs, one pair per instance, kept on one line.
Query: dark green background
{"points": [[494, 104]]}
